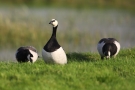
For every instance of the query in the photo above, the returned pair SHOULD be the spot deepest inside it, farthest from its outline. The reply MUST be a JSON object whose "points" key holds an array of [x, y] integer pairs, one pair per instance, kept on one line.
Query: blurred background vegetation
{"points": [[119, 4], [85, 22]]}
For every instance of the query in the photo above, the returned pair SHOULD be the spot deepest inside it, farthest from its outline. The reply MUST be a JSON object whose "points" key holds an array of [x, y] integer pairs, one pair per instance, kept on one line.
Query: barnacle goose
{"points": [[52, 52], [108, 47], [26, 54]]}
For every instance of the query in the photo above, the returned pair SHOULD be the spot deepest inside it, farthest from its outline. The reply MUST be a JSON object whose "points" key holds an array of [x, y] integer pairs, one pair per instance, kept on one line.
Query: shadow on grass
{"points": [[80, 57]]}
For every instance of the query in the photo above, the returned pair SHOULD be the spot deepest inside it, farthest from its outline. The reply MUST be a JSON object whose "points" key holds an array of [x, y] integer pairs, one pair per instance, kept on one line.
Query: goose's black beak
{"points": [[50, 22]]}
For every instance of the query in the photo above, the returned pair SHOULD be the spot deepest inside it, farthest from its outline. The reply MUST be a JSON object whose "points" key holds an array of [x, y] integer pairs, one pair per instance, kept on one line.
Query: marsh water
{"points": [[111, 22]]}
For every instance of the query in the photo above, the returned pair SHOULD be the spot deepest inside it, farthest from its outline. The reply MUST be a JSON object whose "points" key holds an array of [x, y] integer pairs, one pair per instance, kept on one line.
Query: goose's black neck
{"points": [[54, 31], [52, 44]]}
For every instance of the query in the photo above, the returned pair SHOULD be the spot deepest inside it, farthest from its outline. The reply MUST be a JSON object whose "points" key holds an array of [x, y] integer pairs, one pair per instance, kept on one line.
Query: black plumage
{"points": [[52, 45]]}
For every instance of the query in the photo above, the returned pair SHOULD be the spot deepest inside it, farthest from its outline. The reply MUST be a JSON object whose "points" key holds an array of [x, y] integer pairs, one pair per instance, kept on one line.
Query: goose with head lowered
{"points": [[108, 47], [26, 54], [52, 52]]}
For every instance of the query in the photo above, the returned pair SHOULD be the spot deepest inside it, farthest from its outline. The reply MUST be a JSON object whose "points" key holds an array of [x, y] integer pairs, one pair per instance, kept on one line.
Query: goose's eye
{"points": [[53, 21]]}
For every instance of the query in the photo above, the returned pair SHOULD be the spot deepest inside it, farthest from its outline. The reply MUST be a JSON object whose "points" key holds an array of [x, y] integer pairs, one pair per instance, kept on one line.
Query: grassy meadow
{"points": [[84, 71]]}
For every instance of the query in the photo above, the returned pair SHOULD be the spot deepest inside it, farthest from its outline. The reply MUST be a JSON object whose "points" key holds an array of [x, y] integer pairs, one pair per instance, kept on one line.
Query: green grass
{"points": [[84, 71]]}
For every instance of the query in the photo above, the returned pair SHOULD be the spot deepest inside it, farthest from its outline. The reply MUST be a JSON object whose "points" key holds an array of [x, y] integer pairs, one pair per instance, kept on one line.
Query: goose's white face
{"points": [[54, 22]]}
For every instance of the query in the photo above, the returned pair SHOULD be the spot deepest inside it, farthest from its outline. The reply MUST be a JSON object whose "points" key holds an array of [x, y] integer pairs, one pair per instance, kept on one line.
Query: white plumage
{"points": [[118, 47], [35, 56], [57, 56]]}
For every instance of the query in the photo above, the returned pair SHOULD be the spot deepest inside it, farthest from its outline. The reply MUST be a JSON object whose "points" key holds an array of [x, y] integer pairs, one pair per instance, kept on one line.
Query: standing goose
{"points": [[52, 52], [108, 47], [26, 54]]}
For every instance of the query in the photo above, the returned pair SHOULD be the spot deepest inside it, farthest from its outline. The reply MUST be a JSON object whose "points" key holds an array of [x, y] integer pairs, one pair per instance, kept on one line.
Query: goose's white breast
{"points": [[57, 56]]}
